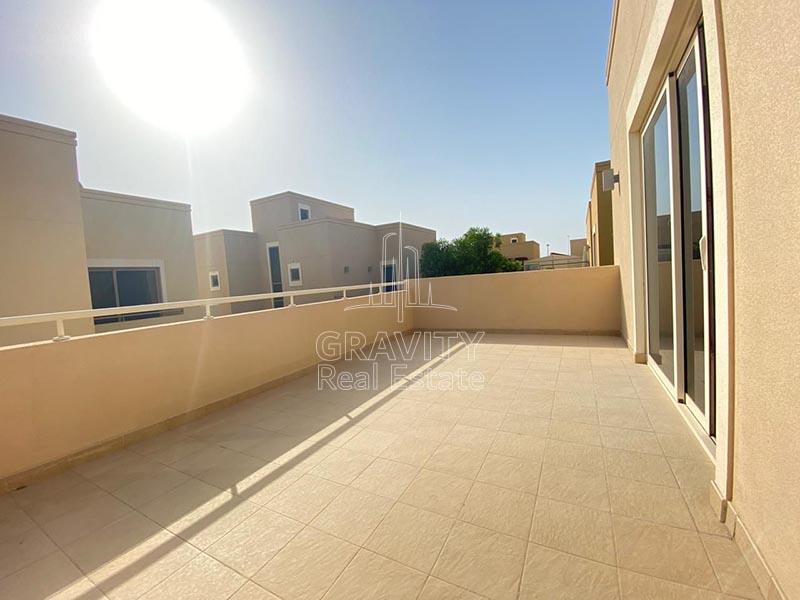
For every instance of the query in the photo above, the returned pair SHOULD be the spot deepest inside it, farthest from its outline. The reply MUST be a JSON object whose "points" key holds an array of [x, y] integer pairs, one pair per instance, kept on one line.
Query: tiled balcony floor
{"points": [[569, 475]]}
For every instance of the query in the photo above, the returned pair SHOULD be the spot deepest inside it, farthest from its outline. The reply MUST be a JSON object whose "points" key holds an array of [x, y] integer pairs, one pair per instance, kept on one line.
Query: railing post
{"points": [[61, 334], [344, 294], [208, 311], [291, 301]]}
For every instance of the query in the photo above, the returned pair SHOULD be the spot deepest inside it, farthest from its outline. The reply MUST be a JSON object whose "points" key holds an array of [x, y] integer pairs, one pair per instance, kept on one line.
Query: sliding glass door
{"points": [[659, 222], [678, 240]]}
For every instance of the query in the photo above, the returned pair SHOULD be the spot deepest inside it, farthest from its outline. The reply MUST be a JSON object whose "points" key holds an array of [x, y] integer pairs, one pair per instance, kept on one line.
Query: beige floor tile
{"points": [[574, 529], [510, 472], [526, 425], [306, 567], [437, 492], [371, 441], [539, 408], [499, 509], [429, 429], [648, 468], [168, 448], [682, 446], [624, 417], [23, 549], [553, 575], [371, 576], [482, 561], [635, 586], [664, 552], [353, 515], [198, 513], [218, 466], [519, 446], [577, 487], [129, 557], [705, 519], [455, 460], [202, 579], [732, 571], [97, 512], [436, 589], [251, 591], [54, 487], [577, 433], [479, 417], [305, 498], [579, 413], [650, 502], [473, 438], [251, 544], [410, 450], [630, 439], [13, 520], [574, 456], [342, 466], [692, 473], [53, 577], [444, 412], [411, 536], [386, 478], [148, 487], [274, 447], [44, 509], [269, 481]]}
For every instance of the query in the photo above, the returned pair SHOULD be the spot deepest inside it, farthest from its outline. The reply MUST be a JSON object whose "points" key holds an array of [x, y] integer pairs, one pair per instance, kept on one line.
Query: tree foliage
{"points": [[472, 253]]}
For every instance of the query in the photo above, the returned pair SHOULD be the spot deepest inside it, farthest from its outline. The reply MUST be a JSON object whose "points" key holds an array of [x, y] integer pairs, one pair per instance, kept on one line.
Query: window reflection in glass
{"points": [[658, 222]]}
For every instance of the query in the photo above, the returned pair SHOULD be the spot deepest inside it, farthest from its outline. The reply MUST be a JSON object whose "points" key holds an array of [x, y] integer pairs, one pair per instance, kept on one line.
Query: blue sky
{"points": [[456, 113]]}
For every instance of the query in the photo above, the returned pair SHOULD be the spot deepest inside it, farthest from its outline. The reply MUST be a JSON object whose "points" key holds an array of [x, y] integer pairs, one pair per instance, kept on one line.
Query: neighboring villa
{"points": [[600, 219], [69, 248], [515, 246], [299, 242]]}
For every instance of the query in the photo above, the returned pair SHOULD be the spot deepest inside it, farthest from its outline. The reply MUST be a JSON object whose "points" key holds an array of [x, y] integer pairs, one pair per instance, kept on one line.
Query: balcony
{"points": [[202, 459]]}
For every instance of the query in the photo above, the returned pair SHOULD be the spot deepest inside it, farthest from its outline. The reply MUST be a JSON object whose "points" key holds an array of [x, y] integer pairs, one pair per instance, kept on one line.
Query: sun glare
{"points": [[175, 63]]}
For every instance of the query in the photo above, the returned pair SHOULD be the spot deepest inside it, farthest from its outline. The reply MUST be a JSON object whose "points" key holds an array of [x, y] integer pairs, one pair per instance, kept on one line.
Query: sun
{"points": [[175, 63]]}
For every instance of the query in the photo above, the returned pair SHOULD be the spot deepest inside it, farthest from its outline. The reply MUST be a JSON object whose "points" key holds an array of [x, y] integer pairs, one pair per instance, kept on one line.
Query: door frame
{"points": [[669, 91]]}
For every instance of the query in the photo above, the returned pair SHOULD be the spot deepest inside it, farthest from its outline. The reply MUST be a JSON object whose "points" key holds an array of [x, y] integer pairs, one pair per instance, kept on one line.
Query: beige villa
{"points": [[300, 243], [599, 219], [515, 246], [65, 247], [631, 431]]}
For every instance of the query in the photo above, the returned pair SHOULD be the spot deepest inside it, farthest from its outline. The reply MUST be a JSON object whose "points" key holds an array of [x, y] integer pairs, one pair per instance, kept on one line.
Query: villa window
{"points": [[213, 281], [129, 286], [303, 212], [514, 240], [295, 274]]}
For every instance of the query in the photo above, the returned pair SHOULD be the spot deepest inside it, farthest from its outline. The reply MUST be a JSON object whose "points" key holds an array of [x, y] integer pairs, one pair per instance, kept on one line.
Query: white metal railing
{"points": [[60, 317]]}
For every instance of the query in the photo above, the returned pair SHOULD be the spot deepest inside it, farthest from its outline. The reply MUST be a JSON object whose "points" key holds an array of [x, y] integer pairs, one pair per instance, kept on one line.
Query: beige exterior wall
{"points": [[130, 231], [52, 391], [764, 88], [41, 229], [753, 115], [523, 248], [544, 301], [235, 256]]}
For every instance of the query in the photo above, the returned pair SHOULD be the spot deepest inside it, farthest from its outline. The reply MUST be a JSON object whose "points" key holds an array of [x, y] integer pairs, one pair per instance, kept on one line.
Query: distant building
{"points": [[300, 242], [579, 249], [515, 246], [600, 220], [69, 248]]}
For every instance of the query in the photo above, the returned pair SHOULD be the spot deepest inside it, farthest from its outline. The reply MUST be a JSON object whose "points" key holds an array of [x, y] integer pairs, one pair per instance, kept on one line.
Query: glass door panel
{"points": [[658, 240], [695, 233]]}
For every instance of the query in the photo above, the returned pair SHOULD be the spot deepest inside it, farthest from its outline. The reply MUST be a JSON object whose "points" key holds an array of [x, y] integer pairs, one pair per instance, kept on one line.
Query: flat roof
{"points": [[105, 196], [38, 130]]}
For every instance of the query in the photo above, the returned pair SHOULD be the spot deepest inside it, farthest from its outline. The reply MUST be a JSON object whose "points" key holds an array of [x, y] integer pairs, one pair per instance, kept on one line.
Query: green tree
{"points": [[472, 253]]}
